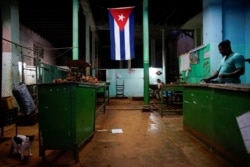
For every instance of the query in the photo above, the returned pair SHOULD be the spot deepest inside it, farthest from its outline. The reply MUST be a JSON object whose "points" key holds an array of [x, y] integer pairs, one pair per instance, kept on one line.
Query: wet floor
{"points": [[125, 136]]}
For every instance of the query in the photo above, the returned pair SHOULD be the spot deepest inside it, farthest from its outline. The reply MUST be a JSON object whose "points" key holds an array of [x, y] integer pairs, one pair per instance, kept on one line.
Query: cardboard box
{"points": [[7, 103]]}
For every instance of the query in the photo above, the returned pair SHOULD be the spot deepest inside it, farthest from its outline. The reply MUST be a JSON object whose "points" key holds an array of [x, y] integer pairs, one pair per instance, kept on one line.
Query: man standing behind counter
{"points": [[232, 66]]}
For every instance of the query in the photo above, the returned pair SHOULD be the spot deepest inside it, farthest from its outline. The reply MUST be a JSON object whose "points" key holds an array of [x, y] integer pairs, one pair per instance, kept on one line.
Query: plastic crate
{"points": [[27, 120], [7, 103], [8, 117]]}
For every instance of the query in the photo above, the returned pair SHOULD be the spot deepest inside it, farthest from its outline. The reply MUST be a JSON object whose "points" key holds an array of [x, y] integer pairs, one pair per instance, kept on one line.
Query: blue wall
{"points": [[247, 39], [133, 80], [227, 19]]}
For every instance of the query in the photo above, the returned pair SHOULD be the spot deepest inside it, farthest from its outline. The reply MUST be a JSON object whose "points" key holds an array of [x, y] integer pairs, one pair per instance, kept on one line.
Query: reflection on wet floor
{"points": [[147, 140], [153, 124]]}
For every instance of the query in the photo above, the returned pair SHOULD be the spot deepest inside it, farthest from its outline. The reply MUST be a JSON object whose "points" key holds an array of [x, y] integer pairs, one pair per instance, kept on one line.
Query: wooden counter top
{"points": [[233, 87]]}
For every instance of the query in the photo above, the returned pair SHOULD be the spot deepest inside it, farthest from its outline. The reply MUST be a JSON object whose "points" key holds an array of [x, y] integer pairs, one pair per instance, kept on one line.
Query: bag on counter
{"points": [[24, 99]]}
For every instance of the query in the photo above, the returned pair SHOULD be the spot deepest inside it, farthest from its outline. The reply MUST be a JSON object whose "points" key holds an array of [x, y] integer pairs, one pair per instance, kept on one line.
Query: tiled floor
{"points": [[147, 140]]}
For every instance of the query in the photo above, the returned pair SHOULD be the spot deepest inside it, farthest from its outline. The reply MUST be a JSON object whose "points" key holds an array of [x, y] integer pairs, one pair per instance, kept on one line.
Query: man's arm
{"points": [[238, 72], [248, 60], [215, 75]]}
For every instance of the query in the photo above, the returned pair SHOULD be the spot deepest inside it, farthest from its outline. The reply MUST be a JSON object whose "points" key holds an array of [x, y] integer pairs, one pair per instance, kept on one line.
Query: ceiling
{"points": [[53, 21]]}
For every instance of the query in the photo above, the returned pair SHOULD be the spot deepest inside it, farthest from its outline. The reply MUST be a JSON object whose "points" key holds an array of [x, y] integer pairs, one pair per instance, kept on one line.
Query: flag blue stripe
{"points": [[112, 37], [131, 27], [120, 45]]}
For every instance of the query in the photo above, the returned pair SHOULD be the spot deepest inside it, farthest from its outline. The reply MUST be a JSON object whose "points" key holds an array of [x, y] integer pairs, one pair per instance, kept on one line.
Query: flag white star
{"points": [[121, 17]]}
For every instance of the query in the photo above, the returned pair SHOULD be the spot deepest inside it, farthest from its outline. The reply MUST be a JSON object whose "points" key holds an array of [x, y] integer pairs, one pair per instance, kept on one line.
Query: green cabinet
{"points": [[66, 116], [210, 111]]}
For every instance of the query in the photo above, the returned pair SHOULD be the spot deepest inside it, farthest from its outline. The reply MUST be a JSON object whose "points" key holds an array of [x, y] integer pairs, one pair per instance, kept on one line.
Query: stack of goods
{"points": [[77, 76]]}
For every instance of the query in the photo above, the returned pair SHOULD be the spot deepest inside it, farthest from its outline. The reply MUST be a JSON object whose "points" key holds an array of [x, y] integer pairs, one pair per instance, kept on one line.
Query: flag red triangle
{"points": [[121, 15]]}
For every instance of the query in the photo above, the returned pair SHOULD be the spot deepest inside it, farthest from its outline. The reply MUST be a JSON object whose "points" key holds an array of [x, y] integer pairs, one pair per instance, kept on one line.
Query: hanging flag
{"points": [[121, 24]]}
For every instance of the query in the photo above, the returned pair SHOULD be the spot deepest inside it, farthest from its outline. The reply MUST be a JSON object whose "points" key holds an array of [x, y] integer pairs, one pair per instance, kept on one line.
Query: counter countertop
{"points": [[233, 87]]}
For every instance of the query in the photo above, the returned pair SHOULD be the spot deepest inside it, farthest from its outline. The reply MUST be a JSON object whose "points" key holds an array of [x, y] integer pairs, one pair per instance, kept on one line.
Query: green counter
{"points": [[66, 116], [103, 91], [209, 113]]}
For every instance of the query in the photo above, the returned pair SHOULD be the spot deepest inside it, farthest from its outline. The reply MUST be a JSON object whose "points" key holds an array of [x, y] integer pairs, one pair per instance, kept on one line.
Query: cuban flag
{"points": [[121, 24]]}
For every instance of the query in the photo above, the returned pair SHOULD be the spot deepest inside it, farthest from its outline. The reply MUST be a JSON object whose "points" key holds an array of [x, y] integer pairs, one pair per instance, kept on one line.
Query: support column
{"points": [[146, 106], [75, 33], [213, 31], [153, 53], [93, 49], [10, 52], [87, 37], [163, 57]]}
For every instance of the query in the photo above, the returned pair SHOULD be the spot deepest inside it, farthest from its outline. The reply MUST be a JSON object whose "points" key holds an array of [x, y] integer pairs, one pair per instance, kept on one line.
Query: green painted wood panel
{"points": [[199, 68], [66, 115], [197, 110], [210, 114]]}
